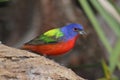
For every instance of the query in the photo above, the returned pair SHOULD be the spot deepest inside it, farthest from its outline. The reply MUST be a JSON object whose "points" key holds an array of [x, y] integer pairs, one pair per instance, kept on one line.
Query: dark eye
{"points": [[75, 29]]}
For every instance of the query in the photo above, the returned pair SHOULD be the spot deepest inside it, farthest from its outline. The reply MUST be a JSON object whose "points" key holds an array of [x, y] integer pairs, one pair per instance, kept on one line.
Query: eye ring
{"points": [[75, 29]]}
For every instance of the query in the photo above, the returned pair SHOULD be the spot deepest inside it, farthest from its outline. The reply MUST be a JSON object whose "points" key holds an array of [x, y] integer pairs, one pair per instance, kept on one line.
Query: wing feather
{"points": [[51, 36]]}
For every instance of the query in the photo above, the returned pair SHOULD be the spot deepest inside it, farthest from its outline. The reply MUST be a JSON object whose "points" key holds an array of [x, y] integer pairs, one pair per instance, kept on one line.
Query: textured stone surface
{"points": [[18, 64]]}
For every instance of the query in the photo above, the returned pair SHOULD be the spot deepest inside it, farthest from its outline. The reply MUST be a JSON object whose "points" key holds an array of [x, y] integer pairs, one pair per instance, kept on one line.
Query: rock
{"points": [[16, 64]]}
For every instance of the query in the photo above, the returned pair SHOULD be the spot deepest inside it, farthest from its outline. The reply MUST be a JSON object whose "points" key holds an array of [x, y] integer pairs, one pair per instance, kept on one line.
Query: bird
{"points": [[57, 41]]}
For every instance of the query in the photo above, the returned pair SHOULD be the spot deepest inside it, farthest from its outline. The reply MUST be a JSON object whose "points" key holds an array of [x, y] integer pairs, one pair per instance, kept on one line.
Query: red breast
{"points": [[52, 49]]}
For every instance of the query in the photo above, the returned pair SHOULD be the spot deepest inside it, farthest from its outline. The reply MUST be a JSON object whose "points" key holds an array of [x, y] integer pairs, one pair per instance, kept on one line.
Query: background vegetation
{"points": [[109, 11]]}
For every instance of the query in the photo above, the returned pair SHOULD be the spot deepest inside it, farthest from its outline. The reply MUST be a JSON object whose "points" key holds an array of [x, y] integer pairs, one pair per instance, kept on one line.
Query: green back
{"points": [[51, 36]]}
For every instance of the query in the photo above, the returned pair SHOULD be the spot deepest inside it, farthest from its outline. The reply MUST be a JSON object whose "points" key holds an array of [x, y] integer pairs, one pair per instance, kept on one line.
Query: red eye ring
{"points": [[75, 29]]}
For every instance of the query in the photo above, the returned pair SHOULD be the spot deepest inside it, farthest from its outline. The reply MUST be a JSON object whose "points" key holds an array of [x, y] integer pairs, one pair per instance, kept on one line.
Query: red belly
{"points": [[52, 49]]}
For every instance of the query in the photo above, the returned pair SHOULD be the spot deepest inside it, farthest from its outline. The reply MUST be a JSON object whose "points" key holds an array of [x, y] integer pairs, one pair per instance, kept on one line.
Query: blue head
{"points": [[72, 30]]}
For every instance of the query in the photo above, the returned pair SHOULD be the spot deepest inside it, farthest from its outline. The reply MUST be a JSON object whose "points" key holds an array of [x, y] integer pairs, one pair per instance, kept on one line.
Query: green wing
{"points": [[51, 36]]}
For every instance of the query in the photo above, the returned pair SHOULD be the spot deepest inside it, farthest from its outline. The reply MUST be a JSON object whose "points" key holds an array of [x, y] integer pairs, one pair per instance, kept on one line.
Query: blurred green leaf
{"points": [[114, 57], [109, 19], [108, 74], [118, 65], [95, 24], [3, 0], [115, 6], [106, 70], [115, 26]]}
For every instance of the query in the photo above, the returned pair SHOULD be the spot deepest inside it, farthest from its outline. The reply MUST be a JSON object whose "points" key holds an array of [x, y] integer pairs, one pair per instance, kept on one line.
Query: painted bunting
{"points": [[56, 41]]}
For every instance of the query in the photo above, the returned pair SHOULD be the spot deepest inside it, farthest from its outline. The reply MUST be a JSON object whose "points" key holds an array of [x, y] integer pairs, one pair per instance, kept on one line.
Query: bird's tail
{"points": [[27, 47]]}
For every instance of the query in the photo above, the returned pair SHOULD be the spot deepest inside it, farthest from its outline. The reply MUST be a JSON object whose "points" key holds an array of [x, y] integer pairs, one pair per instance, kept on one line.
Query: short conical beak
{"points": [[83, 33]]}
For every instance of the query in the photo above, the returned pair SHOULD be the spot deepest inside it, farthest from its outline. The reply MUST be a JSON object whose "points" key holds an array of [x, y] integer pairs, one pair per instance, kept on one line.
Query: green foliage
{"points": [[95, 23], [108, 18], [115, 6], [114, 57], [114, 51], [3, 0]]}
